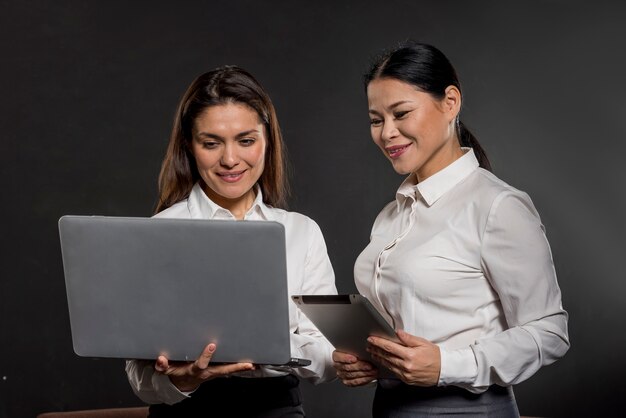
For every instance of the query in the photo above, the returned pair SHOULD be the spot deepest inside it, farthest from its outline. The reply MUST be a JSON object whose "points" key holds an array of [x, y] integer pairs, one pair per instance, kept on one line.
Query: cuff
{"points": [[457, 367], [168, 393]]}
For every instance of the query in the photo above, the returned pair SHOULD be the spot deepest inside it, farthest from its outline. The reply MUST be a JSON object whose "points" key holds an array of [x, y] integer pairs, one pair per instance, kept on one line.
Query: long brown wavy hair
{"points": [[228, 84]]}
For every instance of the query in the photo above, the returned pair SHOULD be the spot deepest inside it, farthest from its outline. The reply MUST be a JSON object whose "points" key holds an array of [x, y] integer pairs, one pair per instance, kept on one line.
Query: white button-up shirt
{"points": [[308, 272], [462, 260]]}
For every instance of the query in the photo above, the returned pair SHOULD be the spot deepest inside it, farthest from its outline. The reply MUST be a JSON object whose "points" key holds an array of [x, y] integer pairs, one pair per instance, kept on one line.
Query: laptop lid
{"points": [[138, 288]]}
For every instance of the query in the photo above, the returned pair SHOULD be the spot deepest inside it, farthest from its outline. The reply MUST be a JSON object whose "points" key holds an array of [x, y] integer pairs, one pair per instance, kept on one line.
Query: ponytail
{"points": [[467, 139]]}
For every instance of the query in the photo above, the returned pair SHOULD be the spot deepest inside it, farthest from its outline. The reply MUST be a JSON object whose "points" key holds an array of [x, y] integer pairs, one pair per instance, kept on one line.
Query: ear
{"points": [[452, 102]]}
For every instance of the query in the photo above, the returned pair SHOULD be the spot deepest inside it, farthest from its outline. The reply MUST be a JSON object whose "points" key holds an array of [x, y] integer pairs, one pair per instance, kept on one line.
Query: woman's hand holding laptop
{"points": [[187, 376]]}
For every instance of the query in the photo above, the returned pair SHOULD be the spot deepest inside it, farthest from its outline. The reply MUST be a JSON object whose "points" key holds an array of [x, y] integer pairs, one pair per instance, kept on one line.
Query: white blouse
{"points": [[309, 272], [462, 260]]}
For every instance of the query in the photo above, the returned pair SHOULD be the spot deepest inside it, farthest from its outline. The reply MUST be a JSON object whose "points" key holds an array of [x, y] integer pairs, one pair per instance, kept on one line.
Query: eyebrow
{"points": [[239, 135], [393, 106]]}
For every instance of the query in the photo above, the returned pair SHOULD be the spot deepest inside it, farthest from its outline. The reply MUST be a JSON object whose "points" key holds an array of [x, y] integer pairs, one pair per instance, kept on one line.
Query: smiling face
{"points": [[414, 130], [228, 143]]}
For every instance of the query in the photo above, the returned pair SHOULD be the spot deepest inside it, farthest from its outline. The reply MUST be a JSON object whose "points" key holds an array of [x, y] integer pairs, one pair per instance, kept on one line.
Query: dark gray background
{"points": [[88, 90]]}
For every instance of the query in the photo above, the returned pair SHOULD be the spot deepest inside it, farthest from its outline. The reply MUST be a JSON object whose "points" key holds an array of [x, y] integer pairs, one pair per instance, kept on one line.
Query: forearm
{"points": [[507, 358]]}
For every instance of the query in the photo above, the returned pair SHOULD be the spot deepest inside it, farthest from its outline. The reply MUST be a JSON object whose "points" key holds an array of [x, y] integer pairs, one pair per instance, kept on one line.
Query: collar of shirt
{"points": [[435, 186], [201, 207]]}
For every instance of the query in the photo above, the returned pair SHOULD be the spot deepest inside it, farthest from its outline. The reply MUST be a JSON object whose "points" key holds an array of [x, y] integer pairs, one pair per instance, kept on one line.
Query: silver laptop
{"points": [[138, 288]]}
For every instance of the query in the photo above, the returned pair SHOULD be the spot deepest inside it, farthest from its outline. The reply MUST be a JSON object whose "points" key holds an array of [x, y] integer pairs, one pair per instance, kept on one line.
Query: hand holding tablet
{"points": [[346, 321]]}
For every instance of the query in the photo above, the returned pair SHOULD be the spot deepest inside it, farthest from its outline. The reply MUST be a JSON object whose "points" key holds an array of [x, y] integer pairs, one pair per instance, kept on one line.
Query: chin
{"points": [[403, 171], [232, 196], [229, 194]]}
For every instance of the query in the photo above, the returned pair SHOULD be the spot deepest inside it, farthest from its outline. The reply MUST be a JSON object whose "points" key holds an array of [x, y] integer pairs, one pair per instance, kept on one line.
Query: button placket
{"points": [[384, 254]]}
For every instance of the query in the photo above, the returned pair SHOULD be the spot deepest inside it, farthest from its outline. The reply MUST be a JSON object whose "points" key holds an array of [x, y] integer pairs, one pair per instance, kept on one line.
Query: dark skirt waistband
{"points": [[397, 399]]}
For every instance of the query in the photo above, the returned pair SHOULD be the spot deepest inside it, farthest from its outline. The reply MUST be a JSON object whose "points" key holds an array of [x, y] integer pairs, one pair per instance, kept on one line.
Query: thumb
{"points": [[205, 358]]}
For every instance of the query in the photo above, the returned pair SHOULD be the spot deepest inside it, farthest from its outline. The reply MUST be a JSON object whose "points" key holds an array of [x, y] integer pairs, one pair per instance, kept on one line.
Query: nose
{"points": [[229, 158], [389, 131]]}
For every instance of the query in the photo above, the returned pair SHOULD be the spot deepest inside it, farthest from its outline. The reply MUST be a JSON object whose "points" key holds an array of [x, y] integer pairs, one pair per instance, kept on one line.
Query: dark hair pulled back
{"points": [[429, 70]]}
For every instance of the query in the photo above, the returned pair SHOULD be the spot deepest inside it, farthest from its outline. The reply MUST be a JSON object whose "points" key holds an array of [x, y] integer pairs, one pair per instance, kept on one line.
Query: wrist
{"points": [[184, 383], [457, 366]]}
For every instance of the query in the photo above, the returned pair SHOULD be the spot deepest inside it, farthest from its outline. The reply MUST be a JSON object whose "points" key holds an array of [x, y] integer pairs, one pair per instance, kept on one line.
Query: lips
{"points": [[231, 176], [396, 150]]}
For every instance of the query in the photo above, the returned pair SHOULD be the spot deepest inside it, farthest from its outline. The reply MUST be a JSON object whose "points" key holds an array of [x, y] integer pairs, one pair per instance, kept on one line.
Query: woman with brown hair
{"points": [[225, 160]]}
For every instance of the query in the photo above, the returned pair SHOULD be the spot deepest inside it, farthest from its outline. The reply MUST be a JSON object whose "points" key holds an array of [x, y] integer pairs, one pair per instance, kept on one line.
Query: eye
{"points": [[376, 122], [209, 144], [246, 142], [401, 114]]}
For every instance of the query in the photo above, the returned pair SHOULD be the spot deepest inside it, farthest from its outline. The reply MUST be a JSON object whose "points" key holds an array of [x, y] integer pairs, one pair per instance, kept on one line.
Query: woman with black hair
{"points": [[458, 262]]}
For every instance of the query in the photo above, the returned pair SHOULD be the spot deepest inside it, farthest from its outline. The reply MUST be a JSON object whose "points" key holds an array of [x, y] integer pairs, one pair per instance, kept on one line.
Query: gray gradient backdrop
{"points": [[88, 90]]}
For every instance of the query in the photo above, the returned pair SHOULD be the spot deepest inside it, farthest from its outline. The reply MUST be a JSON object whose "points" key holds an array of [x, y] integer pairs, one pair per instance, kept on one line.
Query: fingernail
{"points": [[370, 340], [211, 347]]}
